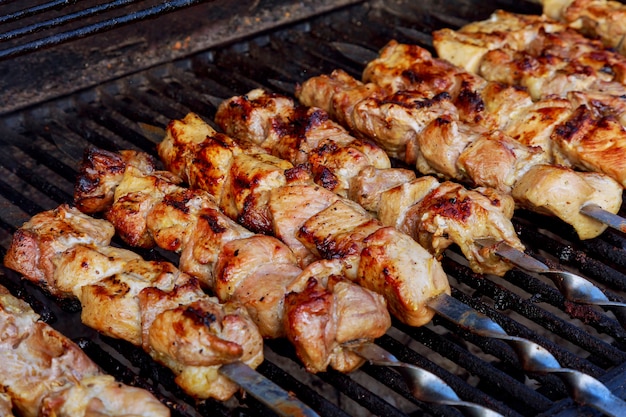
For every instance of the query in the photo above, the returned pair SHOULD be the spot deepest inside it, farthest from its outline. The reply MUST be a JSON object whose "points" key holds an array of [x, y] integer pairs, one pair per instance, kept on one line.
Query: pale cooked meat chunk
{"points": [[498, 161], [366, 188], [394, 122], [441, 143], [601, 104], [331, 312], [246, 194], [111, 304], [45, 236], [41, 362], [132, 203], [593, 144], [194, 335], [396, 266], [598, 18], [338, 231], [505, 102], [290, 207], [559, 191], [102, 395], [451, 214], [256, 271], [534, 125], [395, 202]]}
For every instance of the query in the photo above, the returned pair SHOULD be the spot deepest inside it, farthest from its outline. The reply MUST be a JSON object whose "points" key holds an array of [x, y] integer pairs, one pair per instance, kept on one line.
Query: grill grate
{"points": [[40, 147]]}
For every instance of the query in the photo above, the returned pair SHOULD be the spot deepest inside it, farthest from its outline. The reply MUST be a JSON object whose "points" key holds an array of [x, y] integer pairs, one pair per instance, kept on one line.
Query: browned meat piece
{"points": [[401, 270], [253, 270], [561, 192], [498, 161], [594, 144], [112, 283], [337, 93], [300, 135], [41, 239], [45, 373], [311, 315], [100, 169], [451, 214], [598, 18], [439, 145], [367, 187]]}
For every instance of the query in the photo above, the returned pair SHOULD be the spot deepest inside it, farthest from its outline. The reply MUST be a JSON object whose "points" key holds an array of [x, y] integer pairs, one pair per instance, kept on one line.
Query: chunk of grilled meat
{"points": [[45, 373], [460, 150], [543, 56], [256, 271], [602, 19], [378, 181], [351, 247], [511, 110], [150, 304]]}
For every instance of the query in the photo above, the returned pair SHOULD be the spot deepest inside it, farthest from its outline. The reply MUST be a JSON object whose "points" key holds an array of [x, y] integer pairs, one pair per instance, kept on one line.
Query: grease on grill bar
{"points": [[41, 145]]}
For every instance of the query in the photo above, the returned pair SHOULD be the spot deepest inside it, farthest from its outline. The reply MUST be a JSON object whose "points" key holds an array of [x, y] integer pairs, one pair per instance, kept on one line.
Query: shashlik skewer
{"points": [[580, 130], [603, 19], [150, 304], [45, 373], [104, 172], [535, 358], [401, 123], [553, 58], [434, 214], [397, 202], [257, 271]]}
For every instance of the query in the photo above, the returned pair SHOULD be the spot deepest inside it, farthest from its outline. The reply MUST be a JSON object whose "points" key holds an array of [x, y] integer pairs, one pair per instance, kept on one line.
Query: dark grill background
{"points": [[64, 101]]}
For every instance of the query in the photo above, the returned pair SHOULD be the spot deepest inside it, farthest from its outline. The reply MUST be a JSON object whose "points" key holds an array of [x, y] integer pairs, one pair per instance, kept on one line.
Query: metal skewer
{"points": [[574, 287], [583, 388]]}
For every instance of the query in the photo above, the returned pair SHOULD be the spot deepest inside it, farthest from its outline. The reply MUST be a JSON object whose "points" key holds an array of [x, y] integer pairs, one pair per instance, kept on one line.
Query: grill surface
{"points": [[41, 144]]}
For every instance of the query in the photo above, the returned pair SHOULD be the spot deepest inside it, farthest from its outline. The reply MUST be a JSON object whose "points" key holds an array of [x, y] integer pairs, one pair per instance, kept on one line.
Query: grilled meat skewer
{"points": [[468, 150], [45, 373], [318, 310], [150, 304], [435, 214], [582, 129], [602, 19], [314, 221]]}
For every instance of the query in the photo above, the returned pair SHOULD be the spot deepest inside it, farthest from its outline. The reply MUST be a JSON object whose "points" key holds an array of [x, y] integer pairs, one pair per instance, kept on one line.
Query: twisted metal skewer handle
{"points": [[583, 388], [424, 385], [574, 287]]}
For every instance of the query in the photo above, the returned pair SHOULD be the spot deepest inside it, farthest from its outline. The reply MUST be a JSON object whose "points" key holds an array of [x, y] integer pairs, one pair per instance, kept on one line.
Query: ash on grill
{"points": [[63, 90]]}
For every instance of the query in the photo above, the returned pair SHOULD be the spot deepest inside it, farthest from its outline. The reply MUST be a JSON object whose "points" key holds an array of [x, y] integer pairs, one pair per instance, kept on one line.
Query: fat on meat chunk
{"points": [[451, 214], [559, 191]]}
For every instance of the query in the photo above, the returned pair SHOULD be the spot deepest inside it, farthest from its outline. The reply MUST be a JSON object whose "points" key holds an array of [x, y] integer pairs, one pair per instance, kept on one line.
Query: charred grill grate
{"points": [[40, 147]]}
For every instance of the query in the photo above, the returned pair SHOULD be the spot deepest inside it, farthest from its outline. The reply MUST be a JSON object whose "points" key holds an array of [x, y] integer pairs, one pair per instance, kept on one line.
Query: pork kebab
{"points": [[543, 55], [576, 131], [150, 304], [331, 321], [45, 373], [426, 132], [317, 309], [435, 214], [603, 19]]}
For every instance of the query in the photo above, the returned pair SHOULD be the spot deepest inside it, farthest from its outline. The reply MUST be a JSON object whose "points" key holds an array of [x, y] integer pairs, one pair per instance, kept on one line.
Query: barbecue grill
{"points": [[76, 74]]}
